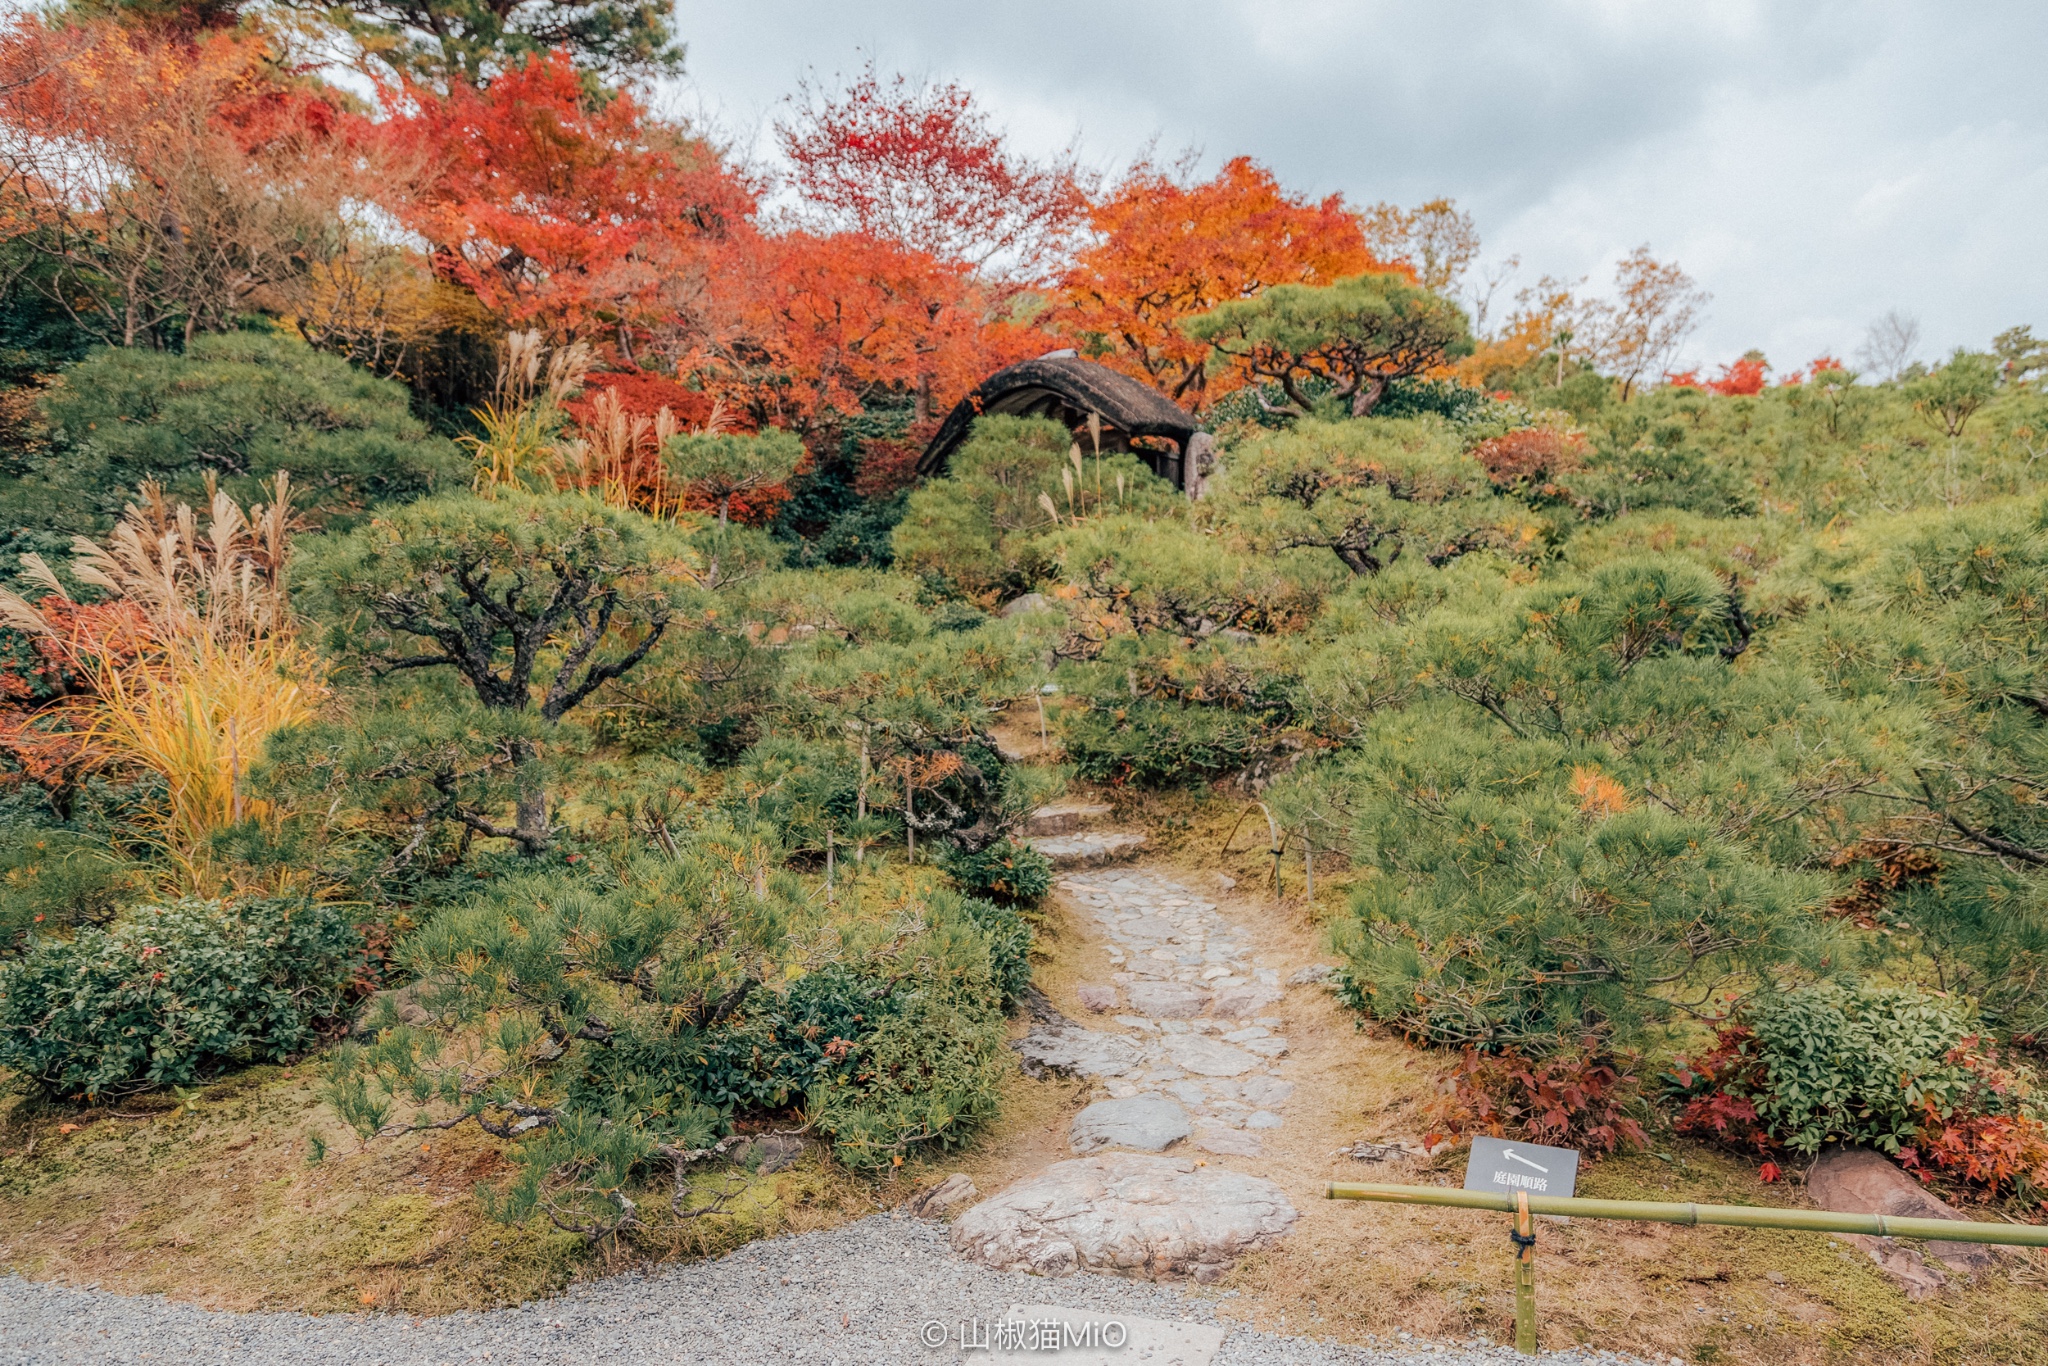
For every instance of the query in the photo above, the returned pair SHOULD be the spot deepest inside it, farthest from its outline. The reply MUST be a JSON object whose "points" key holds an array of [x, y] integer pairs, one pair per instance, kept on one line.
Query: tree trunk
{"points": [[1368, 392], [530, 826], [922, 412]]}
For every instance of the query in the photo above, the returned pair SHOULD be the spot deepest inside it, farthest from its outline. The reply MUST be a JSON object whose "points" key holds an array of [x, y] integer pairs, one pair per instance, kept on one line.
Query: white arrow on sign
{"points": [[1511, 1155]]}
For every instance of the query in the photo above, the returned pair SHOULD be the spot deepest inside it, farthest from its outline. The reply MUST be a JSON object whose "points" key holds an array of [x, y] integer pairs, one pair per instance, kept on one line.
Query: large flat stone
{"points": [[1125, 1212], [1072, 1051], [1096, 996], [1145, 1122], [1865, 1181], [1167, 1000], [1207, 1057], [1215, 1138]]}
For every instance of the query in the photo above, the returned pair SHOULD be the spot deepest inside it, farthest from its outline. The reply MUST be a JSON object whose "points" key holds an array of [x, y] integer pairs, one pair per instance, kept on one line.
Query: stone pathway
{"points": [[1193, 1005], [1198, 1063]]}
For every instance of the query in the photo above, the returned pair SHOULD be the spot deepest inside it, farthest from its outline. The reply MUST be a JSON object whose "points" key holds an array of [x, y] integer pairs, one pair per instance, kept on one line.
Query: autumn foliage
{"points": [[1588, 1099], [1166, 250], [580, 214], [167, 181], [918, 165], [1531, 455]]}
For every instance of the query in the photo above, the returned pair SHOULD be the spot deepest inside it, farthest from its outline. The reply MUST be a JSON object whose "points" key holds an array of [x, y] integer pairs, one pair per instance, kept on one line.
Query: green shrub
{"points": [[55, 879], [1004, 871], [642, 1006], [171, 994], [1160, 744], [1829, 1063], [243, 405], [1009, 941]]}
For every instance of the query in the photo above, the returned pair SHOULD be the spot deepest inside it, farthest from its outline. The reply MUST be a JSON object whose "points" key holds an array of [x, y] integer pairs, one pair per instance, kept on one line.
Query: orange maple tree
{"points": [[807, 325], [1168, 249]]}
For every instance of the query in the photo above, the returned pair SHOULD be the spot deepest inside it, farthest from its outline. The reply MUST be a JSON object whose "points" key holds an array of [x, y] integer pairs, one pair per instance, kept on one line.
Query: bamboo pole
{"points": [[831, 858], [1524, 1237], [1731, 1216]]}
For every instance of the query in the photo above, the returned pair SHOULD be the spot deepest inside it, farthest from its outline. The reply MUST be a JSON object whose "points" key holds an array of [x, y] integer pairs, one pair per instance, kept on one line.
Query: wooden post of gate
{"points": [[1524, 1237]]}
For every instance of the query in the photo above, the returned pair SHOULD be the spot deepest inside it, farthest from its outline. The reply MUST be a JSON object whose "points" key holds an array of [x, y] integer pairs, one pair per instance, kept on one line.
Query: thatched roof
{"points": [[1067, 389]]}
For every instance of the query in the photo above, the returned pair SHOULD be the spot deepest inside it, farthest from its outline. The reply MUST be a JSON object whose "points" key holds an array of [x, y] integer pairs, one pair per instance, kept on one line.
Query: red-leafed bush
{"points": [[1894, 1068], [887, 465], [1990, 1137], [1745, 376], [1589, 1099], [643, 395], [1531, 455]]}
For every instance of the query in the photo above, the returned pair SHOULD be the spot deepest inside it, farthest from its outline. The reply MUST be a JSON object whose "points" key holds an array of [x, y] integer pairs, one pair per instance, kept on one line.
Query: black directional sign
{"points": [[1504, 1165]]}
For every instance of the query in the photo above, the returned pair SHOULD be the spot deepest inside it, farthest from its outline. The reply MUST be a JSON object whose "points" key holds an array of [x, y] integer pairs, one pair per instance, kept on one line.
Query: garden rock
{"points": [[1242, 1002], [1148, 1122], [1125, 1212], [954, 1191], [1089, 849], [1030, 602], [769, 1153], [1063, 818], [1864, 1181], [1310, 975], [1096, 997]]}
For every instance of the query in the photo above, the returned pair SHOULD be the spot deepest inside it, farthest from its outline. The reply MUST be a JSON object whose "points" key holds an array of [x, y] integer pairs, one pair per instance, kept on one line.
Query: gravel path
{"points": [[856, 1296]]}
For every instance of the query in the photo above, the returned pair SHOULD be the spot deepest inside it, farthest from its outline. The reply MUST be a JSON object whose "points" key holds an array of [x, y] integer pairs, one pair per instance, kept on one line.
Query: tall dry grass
{"points": [[523, 420], [219, 667]]}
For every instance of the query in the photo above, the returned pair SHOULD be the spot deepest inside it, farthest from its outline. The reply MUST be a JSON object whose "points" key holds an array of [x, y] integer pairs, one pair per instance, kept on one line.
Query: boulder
{"points": [[1168, 1000], [1125, 1212], [1145, 1122], [1864, 1181], [1088, 849], [934, 1201], [769, 1152], [1064, 818], [1030, 602]]}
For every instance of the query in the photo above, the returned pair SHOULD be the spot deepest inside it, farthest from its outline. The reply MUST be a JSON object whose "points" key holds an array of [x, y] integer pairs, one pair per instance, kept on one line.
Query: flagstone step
{"points": [[1064, 818], [1089, 848]]}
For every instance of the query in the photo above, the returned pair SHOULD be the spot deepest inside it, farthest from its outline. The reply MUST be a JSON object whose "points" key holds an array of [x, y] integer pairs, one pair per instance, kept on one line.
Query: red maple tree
{"points": [[917, 164], [580, 214]]}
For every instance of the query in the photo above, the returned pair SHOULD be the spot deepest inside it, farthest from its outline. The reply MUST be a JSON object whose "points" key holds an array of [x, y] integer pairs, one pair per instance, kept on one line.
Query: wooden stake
{"points": [[1038, 695], [831, 850], [1308, 864], [1524, 1237], [909, 829]]}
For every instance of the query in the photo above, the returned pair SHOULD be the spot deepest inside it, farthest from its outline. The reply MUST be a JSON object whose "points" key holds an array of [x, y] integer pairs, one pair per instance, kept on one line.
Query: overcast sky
{"points": [[1811, 164]]}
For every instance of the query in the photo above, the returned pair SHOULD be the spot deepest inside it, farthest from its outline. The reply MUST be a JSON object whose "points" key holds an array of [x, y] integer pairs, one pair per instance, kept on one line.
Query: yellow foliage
{"points": [[216, 667]]}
